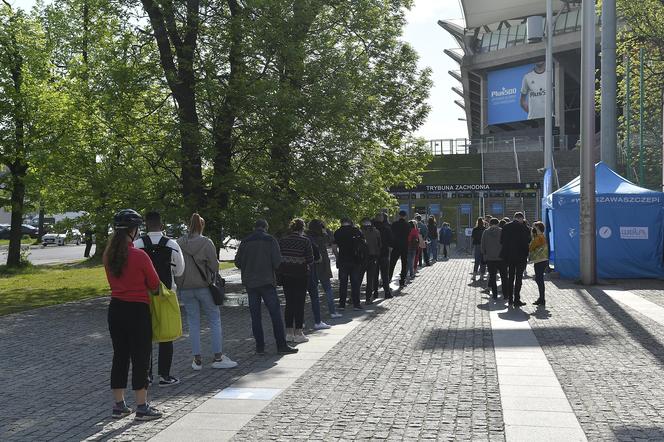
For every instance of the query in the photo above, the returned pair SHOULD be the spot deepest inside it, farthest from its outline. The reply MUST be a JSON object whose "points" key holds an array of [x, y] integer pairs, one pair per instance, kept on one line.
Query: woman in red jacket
{"points": [[131, 276]]}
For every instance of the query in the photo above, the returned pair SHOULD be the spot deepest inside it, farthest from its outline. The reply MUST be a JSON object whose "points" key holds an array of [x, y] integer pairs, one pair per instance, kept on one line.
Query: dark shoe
{"points": [[120, 411], [519, 304], [147, 413], [368, 302], [402, 283], [539, 302], [260, 349], [287, 350], [495, 296], [168, 381], [388, 295], [358, 308], [342, 307]]}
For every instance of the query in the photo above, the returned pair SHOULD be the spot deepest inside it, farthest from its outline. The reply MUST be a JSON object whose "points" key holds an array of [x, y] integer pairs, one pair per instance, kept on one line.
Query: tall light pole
{"points": [[548, 107], [587, 244], [608, 90]]}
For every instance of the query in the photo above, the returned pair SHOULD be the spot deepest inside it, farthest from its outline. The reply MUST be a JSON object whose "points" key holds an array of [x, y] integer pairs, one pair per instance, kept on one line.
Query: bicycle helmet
{"points": [[127, 219]]}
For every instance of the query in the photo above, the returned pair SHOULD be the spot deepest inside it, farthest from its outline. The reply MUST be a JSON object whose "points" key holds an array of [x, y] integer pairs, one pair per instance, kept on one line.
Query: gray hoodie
{"points": [[199, 252], [491, 246]]}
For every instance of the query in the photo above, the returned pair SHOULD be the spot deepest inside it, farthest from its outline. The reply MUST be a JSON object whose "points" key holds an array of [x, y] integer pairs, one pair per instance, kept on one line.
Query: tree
{"points": [[30, 122]]}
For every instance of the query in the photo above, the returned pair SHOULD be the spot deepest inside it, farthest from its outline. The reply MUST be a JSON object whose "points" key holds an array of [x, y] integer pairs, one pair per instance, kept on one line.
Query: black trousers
{"points": [[88, 247], [540, 268], [131, 333], [396, 255], [384, 271], [295, 292], [165, 359], [497, 267], [372, 276], [514, 280]]}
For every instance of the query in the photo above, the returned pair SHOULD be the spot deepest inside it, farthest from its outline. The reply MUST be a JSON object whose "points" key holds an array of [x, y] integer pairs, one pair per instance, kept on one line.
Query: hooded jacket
{"points": [[491, 246], [199, 252]]}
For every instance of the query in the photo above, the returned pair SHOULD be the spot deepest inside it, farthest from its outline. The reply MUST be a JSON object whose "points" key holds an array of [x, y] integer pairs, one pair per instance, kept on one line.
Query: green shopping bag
{"points": [[165, 312]]}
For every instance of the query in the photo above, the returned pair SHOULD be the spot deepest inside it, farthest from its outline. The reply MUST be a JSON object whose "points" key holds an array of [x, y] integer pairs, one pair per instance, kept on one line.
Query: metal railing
{"points": [[490, 144]]}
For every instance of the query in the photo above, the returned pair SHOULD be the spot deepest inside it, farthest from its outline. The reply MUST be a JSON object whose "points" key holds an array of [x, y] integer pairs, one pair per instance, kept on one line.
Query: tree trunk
{"points": [[18, 172]]}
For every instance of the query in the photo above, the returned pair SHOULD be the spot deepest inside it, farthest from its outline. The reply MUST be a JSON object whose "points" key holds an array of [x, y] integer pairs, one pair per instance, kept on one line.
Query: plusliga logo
{"points": [[504, 92]]}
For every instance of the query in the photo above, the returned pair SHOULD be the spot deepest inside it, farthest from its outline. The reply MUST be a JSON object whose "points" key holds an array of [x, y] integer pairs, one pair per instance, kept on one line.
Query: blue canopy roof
{"points": [[606, 181]]}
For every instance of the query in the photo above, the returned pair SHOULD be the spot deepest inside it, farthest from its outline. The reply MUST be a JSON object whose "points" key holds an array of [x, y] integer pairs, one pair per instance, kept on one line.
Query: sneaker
{"points": [[289, 338], [368, 302], [147, 413], [358, 308], [388, 296], [121, 411], [168, 381], [336, 315], [321, 326], [299, 339], [287, 350], [519, 304], [196, 366], [224, 362]]}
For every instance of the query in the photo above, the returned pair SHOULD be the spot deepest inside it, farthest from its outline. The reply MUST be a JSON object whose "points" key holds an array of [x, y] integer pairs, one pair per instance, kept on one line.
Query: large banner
{"points": [[516, 94]]}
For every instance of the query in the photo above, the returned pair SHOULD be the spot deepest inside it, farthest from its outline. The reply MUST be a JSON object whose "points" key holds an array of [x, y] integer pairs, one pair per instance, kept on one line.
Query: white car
{"points": [[60, 239]]}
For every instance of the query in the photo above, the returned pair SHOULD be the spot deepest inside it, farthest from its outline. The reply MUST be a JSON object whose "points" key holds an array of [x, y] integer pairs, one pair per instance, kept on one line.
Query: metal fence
{"points": [[463, 146]]}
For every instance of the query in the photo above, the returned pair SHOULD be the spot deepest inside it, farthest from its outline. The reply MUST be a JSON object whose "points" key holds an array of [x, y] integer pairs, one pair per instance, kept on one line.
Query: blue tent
{"points": [[630, 228]]}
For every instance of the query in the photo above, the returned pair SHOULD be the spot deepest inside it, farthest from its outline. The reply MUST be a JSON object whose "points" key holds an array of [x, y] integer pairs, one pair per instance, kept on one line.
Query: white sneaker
{"points": [[321, 326], [298, 339], [195, 366], [336, 315], [289, 338], [224, 362]]}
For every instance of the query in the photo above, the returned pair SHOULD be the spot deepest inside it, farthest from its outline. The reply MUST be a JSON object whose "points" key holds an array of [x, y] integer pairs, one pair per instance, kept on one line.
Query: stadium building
{"points": [[501, 90]]}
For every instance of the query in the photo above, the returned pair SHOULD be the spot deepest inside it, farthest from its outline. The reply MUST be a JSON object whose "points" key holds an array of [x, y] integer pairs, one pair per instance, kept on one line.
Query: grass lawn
{"points": [[25, 242], [40, 286]]}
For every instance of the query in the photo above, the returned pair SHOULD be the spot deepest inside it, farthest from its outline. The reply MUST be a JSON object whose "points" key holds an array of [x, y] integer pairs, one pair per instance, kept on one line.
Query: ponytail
{"points": [[196, 224], [116, 253]]}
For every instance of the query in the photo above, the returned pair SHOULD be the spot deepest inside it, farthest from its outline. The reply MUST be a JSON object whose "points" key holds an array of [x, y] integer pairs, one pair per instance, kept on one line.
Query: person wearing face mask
{"points": [[372, 237], [131, 276]]}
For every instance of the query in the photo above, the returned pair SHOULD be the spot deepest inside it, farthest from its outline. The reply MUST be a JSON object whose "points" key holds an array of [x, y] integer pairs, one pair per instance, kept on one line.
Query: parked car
{"points": [[26, 229], [60, 239]]}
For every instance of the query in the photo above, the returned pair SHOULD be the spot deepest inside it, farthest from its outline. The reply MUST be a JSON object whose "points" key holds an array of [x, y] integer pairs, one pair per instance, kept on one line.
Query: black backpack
{"points": [[360, 249], [160, 254]]}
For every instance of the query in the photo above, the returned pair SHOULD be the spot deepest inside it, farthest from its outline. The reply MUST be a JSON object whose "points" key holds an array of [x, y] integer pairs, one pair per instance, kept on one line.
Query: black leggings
{"points": [[131, 333], [295, 292]]}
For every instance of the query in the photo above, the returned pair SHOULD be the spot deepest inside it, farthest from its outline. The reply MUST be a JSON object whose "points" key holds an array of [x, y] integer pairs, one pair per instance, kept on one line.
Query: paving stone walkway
{"points": [[419, 366]]}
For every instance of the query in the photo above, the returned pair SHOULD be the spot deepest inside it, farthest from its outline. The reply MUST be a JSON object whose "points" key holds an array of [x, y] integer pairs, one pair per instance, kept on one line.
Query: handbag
{"points": [[217, 286], [165, 315]]}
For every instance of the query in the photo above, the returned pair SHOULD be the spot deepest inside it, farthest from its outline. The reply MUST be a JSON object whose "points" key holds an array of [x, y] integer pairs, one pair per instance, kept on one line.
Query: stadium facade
{"points": [[501, 92]]}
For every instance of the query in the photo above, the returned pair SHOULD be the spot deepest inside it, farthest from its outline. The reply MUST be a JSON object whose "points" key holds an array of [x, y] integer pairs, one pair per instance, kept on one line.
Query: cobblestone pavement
{"points": [[422, 366]]}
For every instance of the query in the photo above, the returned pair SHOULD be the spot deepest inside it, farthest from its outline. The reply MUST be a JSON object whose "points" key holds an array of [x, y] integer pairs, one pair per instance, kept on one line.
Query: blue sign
{"points": [[465, 209], [516, 94], [434, 209], [497, 208]]}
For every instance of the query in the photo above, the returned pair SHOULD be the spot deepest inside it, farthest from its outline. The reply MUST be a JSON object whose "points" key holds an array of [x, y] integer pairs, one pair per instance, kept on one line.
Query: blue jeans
{"points": [[411, 262], [313, 293], [433, 250], [479, 261], [194, 300], [268, 293], [354, 272]]}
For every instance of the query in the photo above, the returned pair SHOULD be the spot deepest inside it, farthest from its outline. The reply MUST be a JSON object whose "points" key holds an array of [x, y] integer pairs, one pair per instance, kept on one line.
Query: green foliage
{"points": [[644, 28], [287, 107]]}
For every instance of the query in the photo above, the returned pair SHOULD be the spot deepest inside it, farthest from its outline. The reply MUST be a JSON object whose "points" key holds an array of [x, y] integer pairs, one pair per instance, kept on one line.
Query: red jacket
{"points": [[138, 276]]}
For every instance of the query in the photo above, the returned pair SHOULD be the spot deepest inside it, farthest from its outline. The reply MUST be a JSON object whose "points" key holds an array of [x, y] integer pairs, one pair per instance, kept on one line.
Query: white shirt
{"points": [[534, 86], [177, 260]]}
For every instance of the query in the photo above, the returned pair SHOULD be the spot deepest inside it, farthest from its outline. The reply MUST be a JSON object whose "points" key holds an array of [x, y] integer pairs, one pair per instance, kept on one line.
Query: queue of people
{"points": [[299, 262]]}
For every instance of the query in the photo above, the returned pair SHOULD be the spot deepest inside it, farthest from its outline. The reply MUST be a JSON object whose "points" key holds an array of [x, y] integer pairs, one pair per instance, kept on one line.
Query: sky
{"points": [[429, 40]]}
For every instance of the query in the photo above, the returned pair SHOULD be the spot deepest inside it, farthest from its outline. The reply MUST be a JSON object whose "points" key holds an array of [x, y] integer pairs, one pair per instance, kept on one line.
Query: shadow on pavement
{"points": [[632, 326]]}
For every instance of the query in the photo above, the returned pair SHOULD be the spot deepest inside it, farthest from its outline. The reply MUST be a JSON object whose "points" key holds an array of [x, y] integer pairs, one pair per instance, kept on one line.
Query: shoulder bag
{"points": [[217, 286]]}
